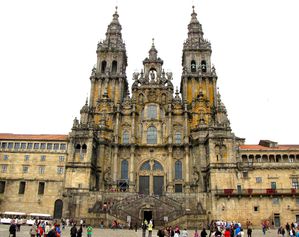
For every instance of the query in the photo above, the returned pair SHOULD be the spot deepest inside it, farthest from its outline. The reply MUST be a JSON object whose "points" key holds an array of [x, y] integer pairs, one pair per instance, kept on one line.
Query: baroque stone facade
{"points": [[157, 152]]}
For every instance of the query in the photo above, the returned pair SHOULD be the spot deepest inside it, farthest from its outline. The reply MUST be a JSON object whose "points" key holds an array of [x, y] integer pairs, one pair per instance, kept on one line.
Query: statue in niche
{"points": [[107, 177], [195, 176]]}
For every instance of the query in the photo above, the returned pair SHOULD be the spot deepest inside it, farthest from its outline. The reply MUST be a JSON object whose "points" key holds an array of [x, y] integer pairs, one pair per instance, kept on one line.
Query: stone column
{"points": [[170, 169], [115, 165], [132, 169], [91, 96]]}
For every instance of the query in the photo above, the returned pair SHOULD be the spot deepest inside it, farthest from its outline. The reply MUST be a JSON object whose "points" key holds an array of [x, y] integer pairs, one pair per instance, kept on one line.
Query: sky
{"points": [[48, 49]]}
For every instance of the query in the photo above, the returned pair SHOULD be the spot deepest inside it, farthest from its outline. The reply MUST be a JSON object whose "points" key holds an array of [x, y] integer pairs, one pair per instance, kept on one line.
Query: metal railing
{"points": [[257, 192]]}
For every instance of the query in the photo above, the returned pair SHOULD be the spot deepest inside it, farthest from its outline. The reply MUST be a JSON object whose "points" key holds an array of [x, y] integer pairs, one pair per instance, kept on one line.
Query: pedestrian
{"points": [[249, 231], [47, 229], [184, 233], [52, 232], [32, 231], [136, 227], [80, 231], [161, 232], [73, 231], [203, 233], [196, 233], [150, 228], [89, 231], [144, 227], [227, 232], [12, 229]]}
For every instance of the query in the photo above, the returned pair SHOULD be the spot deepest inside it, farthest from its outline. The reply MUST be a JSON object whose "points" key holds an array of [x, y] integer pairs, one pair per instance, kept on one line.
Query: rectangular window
{"points": [[2, 186], [152, 111], [43, 146], [5, 157], [61, 158], [26, 157], [4, 168], [273, 185], [295, 183], [275, 200], [25, 169], [29, 146], [41, 188], [60, 170], [22, 187], [178, 188], [23, 145], [41, 169], [258, 179], [62, 146], [17, 145], [256, 208], [42, 158], [36, 146], [245, 175], [239, 188], [49, 146], [10, 145], [3, 145], [56, 146]]}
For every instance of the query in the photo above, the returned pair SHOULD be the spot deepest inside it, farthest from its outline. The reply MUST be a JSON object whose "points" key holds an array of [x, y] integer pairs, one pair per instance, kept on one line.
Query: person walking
{"points": [[150, 228], [184, 233], [12, 229], [249, 231], [89, 231], [80, 231], [73, 231], [203, 233], [196, 233]]}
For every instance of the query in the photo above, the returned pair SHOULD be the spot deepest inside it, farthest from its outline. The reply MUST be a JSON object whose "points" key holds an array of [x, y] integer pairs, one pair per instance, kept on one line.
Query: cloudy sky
{"points": [[47, 51]]}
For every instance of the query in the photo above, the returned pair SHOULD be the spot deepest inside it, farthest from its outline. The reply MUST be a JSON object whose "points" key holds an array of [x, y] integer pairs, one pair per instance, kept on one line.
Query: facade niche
{"points": [[203, 66]]}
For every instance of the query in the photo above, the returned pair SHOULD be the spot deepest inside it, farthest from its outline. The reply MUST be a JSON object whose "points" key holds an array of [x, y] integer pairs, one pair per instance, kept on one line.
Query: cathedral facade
{"points": [[151, 151]]}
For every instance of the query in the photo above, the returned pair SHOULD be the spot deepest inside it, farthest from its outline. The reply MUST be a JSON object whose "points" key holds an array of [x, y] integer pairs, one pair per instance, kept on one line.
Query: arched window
{"points": [[152, 111], [157, 166], [126, 139], [103, 66], [177, 138], [84, 148], [77, 148], [124, 169], [178, 170], [203, 66], [193, 66], [152, 135], [145, 166], [114, 67]]}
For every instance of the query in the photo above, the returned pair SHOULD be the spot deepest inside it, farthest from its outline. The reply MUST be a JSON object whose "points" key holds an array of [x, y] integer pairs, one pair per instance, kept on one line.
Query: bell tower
{"points": [[109, 75], [198, 74]]}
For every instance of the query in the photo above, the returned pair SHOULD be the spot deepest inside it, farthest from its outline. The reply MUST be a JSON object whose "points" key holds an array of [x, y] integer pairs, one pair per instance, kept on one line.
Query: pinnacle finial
{"points": [[193, 8], [116, 7], [153, 42]]}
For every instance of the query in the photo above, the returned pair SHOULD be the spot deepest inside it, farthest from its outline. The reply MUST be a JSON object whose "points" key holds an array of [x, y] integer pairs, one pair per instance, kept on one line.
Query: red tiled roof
{"points": [[40, 137], [279, 147]]}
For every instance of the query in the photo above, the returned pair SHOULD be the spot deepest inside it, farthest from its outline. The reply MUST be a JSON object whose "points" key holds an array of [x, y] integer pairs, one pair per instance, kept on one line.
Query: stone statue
{"points": [[107, 176], [195, 176]]}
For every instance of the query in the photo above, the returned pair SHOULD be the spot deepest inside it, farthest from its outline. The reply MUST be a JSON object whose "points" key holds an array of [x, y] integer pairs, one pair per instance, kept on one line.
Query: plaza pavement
{"points": [[117, 233]]}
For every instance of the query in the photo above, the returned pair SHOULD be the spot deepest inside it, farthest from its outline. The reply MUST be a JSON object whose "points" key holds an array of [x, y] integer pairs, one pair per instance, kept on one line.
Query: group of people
{"points": [[45, 229], [172, 232], [291, 230]]}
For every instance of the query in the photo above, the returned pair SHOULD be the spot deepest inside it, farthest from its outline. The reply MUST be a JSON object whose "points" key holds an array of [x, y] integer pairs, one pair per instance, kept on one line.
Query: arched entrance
{"points": [[151, 178], [58, 206]]}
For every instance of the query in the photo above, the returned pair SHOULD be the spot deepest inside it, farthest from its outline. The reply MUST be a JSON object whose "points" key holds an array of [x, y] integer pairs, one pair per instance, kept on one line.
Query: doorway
{"points": [[147, 215], [276, 220]]}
